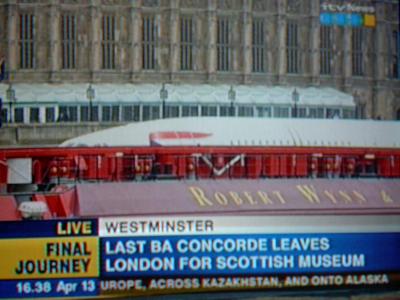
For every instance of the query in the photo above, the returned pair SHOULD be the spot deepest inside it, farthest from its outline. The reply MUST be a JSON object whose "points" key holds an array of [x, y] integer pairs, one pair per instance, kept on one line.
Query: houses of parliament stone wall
{"points": [[252, 42]]}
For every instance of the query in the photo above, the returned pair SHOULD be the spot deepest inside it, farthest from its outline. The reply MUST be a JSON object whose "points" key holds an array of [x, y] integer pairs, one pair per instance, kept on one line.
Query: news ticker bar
{"points": [[106, 256], [95, 288]]}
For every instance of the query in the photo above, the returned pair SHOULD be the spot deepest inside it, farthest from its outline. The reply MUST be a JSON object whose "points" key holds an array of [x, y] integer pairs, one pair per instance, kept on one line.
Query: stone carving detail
{"points": [[259, 5], [70, 2], [226, 4], [392, 13], [192, 3], [294, 6], [151, 3], [111, 2]]}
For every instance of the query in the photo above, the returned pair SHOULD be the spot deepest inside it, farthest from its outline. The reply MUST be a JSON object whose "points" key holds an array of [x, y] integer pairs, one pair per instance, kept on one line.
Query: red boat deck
{"points": [[277, 196]]}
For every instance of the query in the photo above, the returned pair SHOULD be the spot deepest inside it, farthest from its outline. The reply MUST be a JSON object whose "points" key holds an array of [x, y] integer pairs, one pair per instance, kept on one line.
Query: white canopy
{"points": [[251, 132], [177, 93]]}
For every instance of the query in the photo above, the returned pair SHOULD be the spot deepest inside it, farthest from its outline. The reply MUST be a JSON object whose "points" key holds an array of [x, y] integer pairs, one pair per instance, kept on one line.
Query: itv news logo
{"points": [[343, 19], [347, 14]]}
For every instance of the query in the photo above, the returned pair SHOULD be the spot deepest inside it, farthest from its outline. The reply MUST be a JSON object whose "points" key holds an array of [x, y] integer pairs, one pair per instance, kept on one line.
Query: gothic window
{"points": [[148, 43], [186, 49], [27, 41], [258, 47], [293, 48], [326, 50], [223, 44], [357, 52], [69, 41], [108, 42]]}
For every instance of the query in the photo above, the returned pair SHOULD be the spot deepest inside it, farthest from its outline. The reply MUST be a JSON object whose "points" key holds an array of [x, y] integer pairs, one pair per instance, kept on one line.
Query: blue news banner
{"points": [[85, 258], [250, 254]]}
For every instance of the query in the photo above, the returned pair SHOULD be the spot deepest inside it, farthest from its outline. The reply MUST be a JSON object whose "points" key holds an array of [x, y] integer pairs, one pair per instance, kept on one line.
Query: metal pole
{"points": [[90, 110], [163, 108], [90, 95], [163, 96], [10, 110], [232, 97], [295, 99], [10, 93]]}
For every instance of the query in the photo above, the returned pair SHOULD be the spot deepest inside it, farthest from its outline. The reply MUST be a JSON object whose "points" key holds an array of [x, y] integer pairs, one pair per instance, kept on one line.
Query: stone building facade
{"points": [[251, 42]]}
